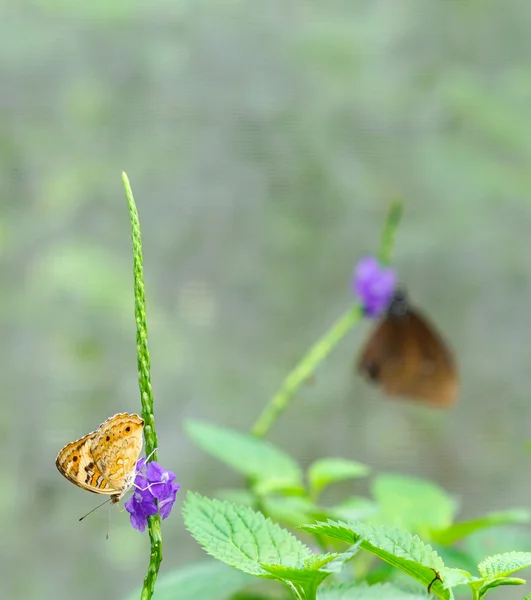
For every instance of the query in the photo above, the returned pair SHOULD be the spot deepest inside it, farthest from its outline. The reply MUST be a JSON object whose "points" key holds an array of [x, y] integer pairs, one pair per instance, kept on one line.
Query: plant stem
{"points": [[144, 383], [387, 241], [322, 348], [298, 591], [306, 366]]}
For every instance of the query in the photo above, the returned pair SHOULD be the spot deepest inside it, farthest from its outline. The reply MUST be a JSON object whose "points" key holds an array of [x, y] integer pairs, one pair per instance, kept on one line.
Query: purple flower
{"points": [[155, 492], [160, 481], [166, 503], [139, 507], [374, 285]]}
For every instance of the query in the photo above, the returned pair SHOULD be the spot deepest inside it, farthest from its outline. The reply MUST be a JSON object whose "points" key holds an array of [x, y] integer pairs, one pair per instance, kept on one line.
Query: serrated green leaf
{"points": [[400, 549], [241, 537], [501, 565], [326, 471], [457, 531], [380, 591], [528, 597], [205, 580], [416, 505], [248, 455]]}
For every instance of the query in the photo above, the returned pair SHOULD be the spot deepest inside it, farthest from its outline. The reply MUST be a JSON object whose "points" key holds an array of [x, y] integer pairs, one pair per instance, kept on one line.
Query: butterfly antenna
{"points": [[151, 454], [96, 508], [109, 524]]}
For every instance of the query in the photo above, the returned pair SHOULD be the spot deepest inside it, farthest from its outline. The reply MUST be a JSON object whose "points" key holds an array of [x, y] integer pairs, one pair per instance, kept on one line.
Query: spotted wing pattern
{"points": [[116, 448], [104, 461]]}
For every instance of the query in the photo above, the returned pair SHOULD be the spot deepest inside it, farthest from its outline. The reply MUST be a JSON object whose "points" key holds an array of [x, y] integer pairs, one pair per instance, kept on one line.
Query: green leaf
{"points": [[501, 565], [241, 537], [413, 504], [205, 580], [380, 591], [253, 458], [326, 471], [339, 561], [457, 531], [494, 583], [401, 550], [313, 572], [306, 579]]}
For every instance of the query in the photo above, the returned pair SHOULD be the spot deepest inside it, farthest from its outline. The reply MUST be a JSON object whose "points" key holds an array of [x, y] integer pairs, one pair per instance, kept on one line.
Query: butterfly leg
{"points": [[148, 487]]}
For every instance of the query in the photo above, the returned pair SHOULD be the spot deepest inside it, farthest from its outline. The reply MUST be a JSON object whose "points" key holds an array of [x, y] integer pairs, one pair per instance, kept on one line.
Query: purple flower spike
{"points": [[155, 492], [374, 285]]}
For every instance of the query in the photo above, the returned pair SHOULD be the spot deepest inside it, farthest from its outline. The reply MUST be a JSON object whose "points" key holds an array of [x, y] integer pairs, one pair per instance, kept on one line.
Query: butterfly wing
{"points": [[407, 357], [76, 463], [116, 448]]}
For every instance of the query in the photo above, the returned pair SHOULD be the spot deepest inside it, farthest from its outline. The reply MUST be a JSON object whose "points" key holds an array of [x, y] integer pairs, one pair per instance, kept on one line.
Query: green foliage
{"points": [[413, 504], [402, 506], [457, 531], [241, 537], [408, 553], [248, 541], [253, 545], [401, 550], [205, 580], [259, 460], [380, 591], [326, 471], [504, 564], [484, 586]]}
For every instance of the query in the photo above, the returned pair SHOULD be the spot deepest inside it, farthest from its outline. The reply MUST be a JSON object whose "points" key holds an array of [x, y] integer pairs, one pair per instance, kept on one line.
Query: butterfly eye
{"points": [[127, 429]]}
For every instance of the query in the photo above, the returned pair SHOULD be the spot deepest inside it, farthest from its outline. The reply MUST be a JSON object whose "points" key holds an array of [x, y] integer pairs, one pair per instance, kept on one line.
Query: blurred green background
{"points": [[264, 142]]}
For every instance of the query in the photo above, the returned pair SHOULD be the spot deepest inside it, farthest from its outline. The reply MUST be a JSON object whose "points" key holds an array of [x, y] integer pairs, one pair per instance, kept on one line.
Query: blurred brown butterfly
{"points": [[408, 357]]}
